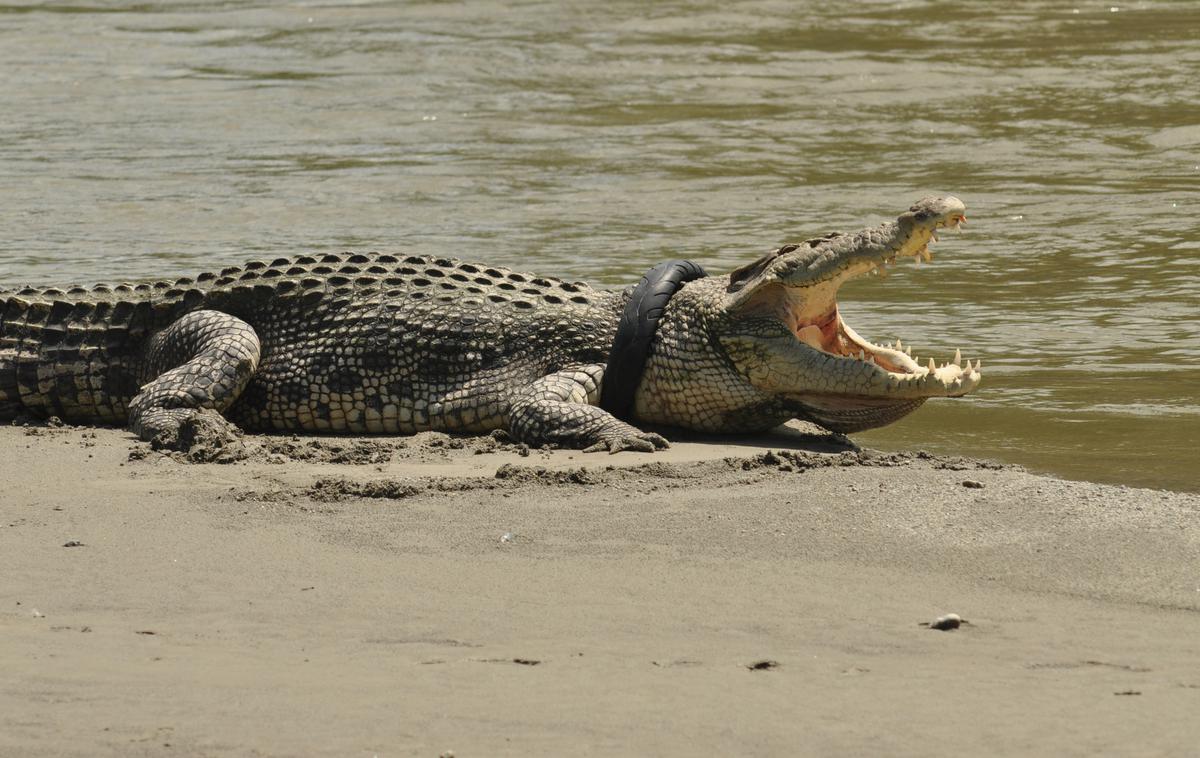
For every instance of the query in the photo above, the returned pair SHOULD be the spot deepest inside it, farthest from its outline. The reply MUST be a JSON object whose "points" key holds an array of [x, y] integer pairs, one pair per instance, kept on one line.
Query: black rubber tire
{"points": [[639, 323]]}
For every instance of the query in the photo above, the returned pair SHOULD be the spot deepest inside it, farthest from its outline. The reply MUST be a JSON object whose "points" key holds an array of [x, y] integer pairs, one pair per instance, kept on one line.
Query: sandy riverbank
{"points": [[350, 597]]}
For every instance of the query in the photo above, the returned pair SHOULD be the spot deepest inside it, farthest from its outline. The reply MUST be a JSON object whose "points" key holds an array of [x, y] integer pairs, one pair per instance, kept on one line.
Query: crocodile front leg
{"points": [[201, 363], [556, 409]]}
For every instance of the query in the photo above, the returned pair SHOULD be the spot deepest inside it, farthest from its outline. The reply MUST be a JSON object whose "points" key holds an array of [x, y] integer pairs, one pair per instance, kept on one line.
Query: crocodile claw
{"points": [[638, 442], [202, 436]]}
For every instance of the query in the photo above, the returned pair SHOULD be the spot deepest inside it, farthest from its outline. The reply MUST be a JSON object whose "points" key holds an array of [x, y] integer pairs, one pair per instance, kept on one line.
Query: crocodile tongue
{"points": [[823, 333]]}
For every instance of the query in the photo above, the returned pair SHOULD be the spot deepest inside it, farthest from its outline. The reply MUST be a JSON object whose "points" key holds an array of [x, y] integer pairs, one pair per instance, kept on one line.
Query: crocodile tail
{"points": [[72, 351], [9, 409], [65, 355], [10, 406], [10, 397]]}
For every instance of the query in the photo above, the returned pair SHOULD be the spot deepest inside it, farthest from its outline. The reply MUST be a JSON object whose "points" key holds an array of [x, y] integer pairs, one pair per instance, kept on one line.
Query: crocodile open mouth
{"points": [[811, 313]]}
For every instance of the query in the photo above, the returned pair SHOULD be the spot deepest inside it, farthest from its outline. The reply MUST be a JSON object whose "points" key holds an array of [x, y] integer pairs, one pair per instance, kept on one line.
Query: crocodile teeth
{"points": [[957, 357], [932, 366]]}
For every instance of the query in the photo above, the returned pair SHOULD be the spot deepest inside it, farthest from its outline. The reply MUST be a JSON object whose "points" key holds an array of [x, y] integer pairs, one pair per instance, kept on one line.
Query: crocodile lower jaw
{"points": [[812, 315]]}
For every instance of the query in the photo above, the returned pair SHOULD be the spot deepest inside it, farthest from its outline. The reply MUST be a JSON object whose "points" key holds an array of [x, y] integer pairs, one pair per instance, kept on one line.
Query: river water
{"points": [[592, 140]]}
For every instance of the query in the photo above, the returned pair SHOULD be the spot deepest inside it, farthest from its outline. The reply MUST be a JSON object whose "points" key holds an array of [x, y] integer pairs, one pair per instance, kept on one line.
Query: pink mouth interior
{"points": [[825, 333]]}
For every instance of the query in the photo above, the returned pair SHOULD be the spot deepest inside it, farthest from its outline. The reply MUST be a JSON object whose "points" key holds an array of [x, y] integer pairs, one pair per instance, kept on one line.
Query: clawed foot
{"points": [[636, 441], [203, 436]]}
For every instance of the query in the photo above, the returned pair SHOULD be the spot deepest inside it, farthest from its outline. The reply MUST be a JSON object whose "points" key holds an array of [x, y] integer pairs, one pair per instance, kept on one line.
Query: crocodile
{"points": [[398, 344]]}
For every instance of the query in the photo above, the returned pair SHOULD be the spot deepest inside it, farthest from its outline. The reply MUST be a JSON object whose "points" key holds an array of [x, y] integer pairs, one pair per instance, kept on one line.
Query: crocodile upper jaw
{"points": [[866, 370]]}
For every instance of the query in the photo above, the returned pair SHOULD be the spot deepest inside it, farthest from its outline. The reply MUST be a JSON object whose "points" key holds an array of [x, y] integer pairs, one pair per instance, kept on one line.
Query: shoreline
{"points": [[410, 596]]}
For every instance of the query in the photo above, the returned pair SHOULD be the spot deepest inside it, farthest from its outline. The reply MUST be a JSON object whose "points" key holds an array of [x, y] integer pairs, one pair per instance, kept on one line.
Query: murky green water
{"points": [[592, 140]]}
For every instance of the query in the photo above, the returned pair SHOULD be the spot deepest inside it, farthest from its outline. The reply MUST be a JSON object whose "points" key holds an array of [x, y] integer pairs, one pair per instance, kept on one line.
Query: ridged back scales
{"points": [[75, 351]]}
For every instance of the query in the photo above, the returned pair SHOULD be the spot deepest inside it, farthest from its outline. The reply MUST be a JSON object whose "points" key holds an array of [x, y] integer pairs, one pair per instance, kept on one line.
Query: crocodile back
{"points": [[77, 352]]}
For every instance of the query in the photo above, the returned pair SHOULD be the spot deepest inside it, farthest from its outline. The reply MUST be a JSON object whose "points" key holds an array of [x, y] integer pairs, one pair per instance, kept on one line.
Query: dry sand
{"points": [[341, 597]]}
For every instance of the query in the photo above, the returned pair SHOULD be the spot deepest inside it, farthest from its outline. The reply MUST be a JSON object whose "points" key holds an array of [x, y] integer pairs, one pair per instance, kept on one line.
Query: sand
{"points": [[431, 595]]}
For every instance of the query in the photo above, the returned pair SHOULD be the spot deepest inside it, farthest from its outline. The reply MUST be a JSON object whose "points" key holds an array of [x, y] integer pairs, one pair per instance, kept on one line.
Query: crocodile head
{"points": [[789, 354]]}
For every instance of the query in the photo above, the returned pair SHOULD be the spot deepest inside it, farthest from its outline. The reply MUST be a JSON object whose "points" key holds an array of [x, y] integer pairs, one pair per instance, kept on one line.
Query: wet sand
{"points": [[340, 597]]}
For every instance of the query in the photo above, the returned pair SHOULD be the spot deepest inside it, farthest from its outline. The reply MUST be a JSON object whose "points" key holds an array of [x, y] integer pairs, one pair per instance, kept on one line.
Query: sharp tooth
{"points": [[978, 365], [957, 357], [908, 350], [934, 236], [862, 356], [932, 367], [967, 370], [899, 346]]}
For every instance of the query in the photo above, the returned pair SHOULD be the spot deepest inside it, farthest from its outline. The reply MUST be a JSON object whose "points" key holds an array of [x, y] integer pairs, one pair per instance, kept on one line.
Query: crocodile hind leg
{"points": [[200, 364], [557, 409]]}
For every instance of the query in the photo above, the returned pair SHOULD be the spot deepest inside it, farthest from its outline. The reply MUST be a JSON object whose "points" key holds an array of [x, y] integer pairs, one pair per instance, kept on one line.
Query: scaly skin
{"points": [[397, 345]]}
